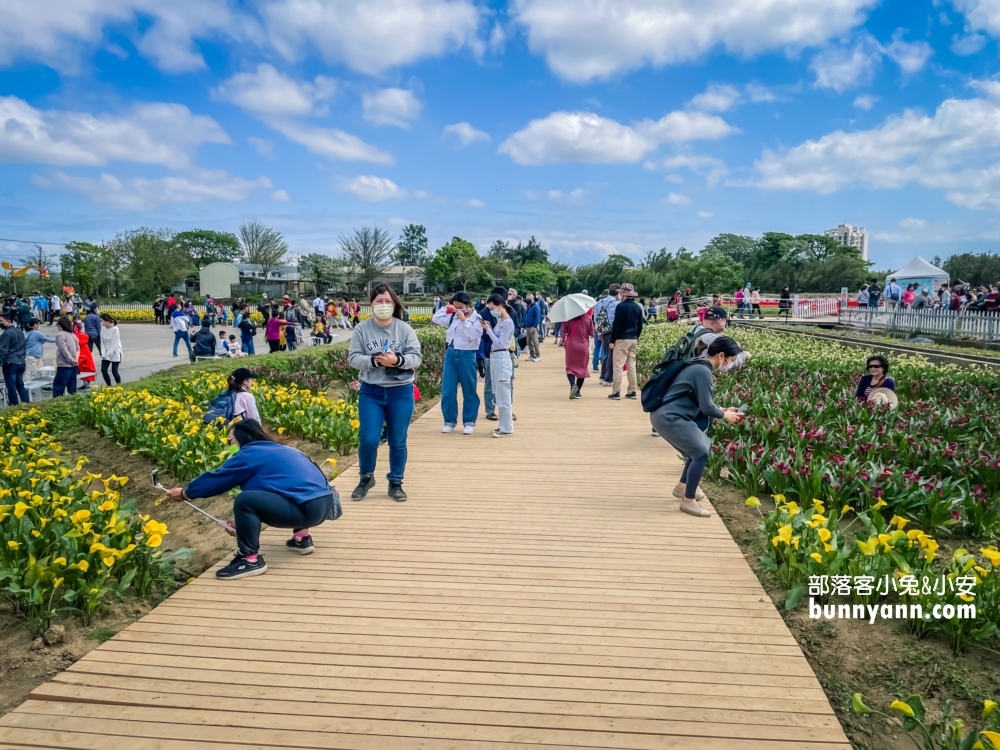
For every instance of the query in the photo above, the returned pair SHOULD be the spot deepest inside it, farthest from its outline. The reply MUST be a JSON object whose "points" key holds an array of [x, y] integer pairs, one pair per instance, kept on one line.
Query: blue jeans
{"points": [[64, 381], [248, 346], [459, 367], [598, 353], [392, 407], [13, 377], [873, 302], [182, 336]]}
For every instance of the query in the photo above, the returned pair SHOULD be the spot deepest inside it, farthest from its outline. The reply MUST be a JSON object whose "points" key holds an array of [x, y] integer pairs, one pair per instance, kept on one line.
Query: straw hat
{"points": [[883, 396]]}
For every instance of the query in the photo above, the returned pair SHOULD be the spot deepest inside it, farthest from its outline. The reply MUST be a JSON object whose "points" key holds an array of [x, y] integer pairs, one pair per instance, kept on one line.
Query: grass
{"points": [[101, 634]]}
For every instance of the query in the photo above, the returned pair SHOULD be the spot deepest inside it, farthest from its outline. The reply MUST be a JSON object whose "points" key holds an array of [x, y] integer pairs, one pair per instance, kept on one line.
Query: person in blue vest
{"points": [[464, 334]]}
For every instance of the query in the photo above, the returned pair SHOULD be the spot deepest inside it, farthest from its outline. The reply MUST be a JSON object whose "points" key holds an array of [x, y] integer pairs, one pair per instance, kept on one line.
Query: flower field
{"points": [[67, 541], [894, 481]]}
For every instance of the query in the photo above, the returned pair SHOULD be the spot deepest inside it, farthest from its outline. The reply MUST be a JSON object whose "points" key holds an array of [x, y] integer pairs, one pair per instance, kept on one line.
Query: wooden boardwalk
{"points": [[540, 592]]}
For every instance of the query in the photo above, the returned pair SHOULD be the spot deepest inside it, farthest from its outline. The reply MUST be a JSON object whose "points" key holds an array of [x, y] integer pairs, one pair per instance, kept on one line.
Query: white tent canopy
{"points": [[919, 271]]}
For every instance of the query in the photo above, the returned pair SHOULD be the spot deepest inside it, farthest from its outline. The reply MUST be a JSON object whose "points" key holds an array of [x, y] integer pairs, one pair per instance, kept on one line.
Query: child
{"points": [[327, 332], [222, 346], [290, 340], [88, 370], [35, 341], [319, 330], [234, 348]]}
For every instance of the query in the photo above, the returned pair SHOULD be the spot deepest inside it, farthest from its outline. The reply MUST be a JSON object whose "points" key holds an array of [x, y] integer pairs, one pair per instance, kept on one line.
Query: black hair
{"points": [[501, 290], [881, 360], [724, 344], [397, 306], [500, 300], [248, 431], [107, 318]]}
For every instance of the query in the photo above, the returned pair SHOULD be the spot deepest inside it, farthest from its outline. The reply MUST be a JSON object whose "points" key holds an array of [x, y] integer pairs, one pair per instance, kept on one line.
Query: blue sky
{"points": [[598, 126]]}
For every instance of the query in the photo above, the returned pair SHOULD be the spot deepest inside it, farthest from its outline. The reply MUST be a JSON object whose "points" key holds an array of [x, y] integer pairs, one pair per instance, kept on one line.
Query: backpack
{"points": [[222, 406], [602, 322], [675, 359]]}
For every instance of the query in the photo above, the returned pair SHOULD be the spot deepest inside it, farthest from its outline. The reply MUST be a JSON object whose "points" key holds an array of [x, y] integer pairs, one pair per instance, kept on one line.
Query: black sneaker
{"points": [[366, 483], [240, 567], [303, 546], [396, 493], [615, 397], [631, 395]]}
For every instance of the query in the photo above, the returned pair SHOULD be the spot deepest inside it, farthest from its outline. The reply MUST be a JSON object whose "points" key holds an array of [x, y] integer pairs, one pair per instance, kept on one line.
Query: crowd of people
{"points": [[956, 296]]}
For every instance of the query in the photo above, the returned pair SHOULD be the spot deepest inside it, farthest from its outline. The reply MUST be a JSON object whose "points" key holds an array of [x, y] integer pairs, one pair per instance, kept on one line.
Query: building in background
{"points": [[231, 280], [850, 236]]}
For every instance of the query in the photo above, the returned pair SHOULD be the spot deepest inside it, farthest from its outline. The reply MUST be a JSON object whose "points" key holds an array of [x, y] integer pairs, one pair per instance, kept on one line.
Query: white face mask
{"points": [[383, 311]]}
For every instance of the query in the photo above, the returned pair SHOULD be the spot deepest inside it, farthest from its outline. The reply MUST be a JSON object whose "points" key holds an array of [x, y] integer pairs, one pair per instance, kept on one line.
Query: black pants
{"points": [[273, 345], [251, 509], [105, 364], [93, 341], [578, 382], [608, 364], [160, 318]]}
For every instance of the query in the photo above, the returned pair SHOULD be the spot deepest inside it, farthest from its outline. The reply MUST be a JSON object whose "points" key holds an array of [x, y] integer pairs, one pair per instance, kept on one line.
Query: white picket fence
{"points": [[961, 323]]}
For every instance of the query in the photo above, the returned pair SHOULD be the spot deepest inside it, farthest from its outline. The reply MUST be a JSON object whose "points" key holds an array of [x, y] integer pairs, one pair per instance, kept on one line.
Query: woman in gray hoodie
{"points": [[67, 353], [686, 415], [385, 352]]}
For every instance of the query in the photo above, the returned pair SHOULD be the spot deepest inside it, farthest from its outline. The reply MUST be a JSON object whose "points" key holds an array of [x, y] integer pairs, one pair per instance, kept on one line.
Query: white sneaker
{"points": [[497, 434], [468, 429], [448, 428]]}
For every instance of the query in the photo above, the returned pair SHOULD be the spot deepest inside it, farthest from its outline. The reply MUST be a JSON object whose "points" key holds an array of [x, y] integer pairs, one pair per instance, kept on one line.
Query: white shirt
{"points": [[246, 406], [179, 323], [111, 344], [463, 335], [318, 303]]}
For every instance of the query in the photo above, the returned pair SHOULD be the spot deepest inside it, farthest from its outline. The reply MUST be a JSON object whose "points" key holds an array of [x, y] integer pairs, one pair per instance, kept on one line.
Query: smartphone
{"points": [[155, 476], [742, 408]]}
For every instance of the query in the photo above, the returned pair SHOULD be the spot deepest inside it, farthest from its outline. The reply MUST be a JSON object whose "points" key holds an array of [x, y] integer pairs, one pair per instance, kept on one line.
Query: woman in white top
{"points": [[111, 348], [245, 405], [501, 365]]}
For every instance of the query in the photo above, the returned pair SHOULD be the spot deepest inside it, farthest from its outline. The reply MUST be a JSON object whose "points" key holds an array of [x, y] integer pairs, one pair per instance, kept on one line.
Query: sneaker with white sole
{"points": [[468, 429], [303, 546], [448, 428], [240, 567], [497, 434]]}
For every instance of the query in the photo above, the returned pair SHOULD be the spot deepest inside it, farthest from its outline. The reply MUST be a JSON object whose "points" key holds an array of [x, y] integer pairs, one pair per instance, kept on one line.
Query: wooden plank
{"points": [[573, 613]]}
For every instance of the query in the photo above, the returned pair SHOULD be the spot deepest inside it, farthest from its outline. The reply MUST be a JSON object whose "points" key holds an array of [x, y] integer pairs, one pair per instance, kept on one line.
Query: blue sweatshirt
{"points": [[92, 325], [34, 340], [264, 467], [533, 318]]}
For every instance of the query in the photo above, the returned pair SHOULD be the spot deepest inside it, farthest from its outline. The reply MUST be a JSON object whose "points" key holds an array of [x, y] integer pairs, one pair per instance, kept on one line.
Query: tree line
{"points": [[140, 263]]}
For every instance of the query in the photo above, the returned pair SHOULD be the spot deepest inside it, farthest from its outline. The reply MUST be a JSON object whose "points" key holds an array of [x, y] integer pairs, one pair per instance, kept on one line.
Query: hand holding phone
{"points": [[742, 408]]}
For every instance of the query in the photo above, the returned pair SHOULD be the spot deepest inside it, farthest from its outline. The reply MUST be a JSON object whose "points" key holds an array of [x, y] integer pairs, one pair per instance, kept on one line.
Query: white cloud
{"points": [[262, 146], [574, 195], [465, 134], [57, 32], [842, 68], [152, 133], [592, 139], [371, 36], [714, 170], [912, 223], [676, 199], [475, 203], [865, 101], [721, 97], [331, 143], [141, 193], [954, 149], [281, 196], [967, 45], [705, 215], [981, 15], [267, 92], [371, 188], [391, 107], [586, 39], [909, 56], [716, 98]]}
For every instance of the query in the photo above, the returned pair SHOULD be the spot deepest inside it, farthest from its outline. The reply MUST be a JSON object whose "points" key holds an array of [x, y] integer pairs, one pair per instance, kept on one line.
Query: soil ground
{"points": [[882, 661]]}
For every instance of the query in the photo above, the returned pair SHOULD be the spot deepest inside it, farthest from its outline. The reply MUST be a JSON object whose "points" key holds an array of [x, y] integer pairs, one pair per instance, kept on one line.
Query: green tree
{"points": [[205, 246], [534, 277], [322, 270], [157, 261], [736, 247], [458, 264], [411, 250], [366, 254], [81, 267], [262, 245], [973, 268]]}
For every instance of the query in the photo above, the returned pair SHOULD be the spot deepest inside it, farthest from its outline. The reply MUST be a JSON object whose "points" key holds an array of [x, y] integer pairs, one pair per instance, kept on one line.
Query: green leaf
{"points": [[769, 564], [794, 596], [858, 706]]}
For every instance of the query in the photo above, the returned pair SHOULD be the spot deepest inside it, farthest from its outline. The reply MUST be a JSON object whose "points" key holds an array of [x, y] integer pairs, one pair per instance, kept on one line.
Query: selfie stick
{"points": [[229, 529]]}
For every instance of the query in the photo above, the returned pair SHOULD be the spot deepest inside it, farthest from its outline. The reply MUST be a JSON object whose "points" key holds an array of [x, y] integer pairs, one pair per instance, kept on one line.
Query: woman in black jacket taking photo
{"points": [[686, 416]]}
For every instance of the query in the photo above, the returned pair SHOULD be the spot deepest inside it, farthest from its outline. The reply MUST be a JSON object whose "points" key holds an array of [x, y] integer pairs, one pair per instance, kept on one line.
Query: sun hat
{"points": [[882, 397], [627, 290], [715, 313]]}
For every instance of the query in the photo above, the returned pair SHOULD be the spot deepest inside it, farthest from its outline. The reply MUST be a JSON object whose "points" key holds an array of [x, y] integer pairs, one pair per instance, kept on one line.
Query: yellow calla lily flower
{"points": [[993, 737], [898, 522], [753, 502], [817, 557], [903, 708], [988, 708], [880, 504], [825, 535], [19, 510], [992, 554], [868, 548]]}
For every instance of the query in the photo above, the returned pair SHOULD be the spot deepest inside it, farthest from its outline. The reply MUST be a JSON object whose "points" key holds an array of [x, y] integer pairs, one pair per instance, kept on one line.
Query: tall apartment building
{"points": [[850, 236]]}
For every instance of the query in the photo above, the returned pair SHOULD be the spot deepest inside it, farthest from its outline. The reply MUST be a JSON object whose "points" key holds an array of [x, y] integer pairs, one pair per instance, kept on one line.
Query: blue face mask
{"points": [[495, 314]]}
